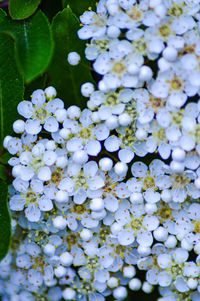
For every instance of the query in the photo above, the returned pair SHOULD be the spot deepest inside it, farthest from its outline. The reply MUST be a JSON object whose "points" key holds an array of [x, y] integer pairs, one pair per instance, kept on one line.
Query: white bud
{"points": [[59, 223], [64, 133], [50, 145], [120, 293], [124, 119], [141, 134], [129, 271], [19, 126], [112, 122], [86, 234], [178, 154], [61, 196], [160, 234], [102, 86], [80, 157], [6, 140], [106, 164], [135, 284], [61, 162], [171, 242], [73, 58], [49, 157], [186, 245], [69, 294], [91, 106], [133, 69], [113, 32], [147, 287], [49, 250], [145, 73], [136, 198], [121, 168], [177, 167], [170, 53], [44, 173], [97, 204], [163, 64], [144, 251], [95, 117], [66, 259], [87, 89], [192, 283], [60, 271], [73, 112], [61, 115], [112, 282], [150, 208], [50, 92], [115, 228], [16, 170]]}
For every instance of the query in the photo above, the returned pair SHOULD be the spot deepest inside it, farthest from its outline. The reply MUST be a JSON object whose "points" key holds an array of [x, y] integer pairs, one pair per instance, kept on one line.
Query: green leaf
{"points": [[5, 157], [78, 6], [5, 221], [51, 8], [22, 9], [3, 172], [38, 83], [34, 43], [66, 78], [11, 86]]}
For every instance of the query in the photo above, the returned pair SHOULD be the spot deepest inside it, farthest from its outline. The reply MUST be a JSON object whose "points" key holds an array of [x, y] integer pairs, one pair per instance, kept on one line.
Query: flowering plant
{"points": [[105, 181]]}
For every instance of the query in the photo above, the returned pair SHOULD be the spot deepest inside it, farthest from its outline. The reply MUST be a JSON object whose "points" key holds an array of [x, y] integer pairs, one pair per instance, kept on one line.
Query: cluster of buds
{"points": [[87, 212]]}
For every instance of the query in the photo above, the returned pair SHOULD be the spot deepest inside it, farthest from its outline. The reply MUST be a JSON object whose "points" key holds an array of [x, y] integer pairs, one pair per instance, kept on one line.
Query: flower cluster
{"points": [[87, 212]]}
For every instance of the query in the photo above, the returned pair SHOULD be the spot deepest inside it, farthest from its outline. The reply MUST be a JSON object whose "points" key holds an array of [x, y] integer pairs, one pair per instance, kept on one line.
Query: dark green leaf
{"points": [[11, 85], [51, 7], [5, 157], [22, 9], [3, 172], [38, 83], [5, 221], [34, 43], [78, 6], [66, 78]]}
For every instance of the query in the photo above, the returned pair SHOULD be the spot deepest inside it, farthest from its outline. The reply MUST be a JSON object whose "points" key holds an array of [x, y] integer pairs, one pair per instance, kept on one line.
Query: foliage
{"points": [[62, 75]]}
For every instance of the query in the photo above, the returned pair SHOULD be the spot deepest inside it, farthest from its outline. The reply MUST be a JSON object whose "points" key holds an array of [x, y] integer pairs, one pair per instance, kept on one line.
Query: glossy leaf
{"points": [[38, 83], [78, 6], [66, 78], [5, 221], [22, 9], [34, 44], [11, 86]]}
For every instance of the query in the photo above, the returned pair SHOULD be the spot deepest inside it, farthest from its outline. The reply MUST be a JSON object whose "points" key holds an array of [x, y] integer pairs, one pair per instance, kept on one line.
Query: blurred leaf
{"points": [[51, 7], [5, 157], [11, 86], [22, 9], [66, 78], [34, 43], [78, 6], [3, 175], [38, 83], [5, 221]]}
